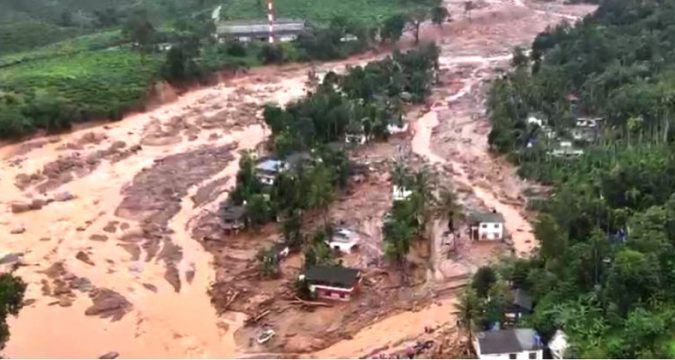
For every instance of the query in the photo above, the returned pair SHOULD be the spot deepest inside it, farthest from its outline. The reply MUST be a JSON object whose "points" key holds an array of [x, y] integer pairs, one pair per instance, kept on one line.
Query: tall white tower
{"points": [[270, 19]]}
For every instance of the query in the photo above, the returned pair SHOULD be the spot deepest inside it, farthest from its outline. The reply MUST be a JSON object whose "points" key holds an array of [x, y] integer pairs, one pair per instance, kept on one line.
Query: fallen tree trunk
{"points": [[299, 301]]}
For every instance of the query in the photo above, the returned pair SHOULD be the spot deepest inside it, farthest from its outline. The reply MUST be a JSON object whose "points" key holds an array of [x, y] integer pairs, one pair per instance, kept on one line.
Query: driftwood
{"points": [[261, 315], [299, 301], [231, 300]]}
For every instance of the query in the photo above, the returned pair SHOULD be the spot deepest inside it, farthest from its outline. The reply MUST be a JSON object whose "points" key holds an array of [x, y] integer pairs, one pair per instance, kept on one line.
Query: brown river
{"points": [[161, 321]]}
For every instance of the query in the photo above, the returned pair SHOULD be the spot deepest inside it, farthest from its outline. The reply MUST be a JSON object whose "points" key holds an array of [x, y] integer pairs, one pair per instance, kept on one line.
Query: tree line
{"points": [[603, 272]]}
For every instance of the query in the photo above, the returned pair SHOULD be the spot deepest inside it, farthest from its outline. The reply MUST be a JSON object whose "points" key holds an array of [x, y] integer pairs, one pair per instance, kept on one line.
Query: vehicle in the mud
{"points": [[344, 240], [265, 336]]}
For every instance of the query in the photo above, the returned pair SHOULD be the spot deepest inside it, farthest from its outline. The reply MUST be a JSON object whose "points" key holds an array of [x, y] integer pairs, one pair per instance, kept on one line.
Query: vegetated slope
{"points": [[604, 273]]}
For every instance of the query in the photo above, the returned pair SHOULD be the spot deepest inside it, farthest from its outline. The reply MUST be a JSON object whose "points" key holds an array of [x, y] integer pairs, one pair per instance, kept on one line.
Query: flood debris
{"points": [[108, 304]]}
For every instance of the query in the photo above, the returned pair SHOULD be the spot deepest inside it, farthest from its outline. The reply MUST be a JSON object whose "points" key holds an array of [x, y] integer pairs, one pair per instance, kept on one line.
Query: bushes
{"points": [[28, 35], [271, 54], [54, 92]]}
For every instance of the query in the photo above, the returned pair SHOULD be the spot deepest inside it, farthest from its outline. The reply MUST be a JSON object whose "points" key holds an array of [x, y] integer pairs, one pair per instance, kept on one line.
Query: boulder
{"points": [[109, 355], [64, 196], [20, 207], [107, 303], [18, 230], [82, 256]]}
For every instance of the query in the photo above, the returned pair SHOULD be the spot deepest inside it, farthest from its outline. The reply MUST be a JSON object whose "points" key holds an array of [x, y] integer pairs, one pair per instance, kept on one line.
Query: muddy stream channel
{"points": [[97, 221]]}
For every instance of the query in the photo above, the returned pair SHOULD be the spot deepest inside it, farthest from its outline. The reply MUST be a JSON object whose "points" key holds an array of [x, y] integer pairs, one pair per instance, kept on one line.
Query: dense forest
{"points": [[310, 135], [604, 272], [78, 60]]}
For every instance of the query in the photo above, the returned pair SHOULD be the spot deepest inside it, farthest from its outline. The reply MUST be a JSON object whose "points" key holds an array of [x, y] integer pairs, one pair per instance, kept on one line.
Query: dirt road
{"points": [[109, 208]]}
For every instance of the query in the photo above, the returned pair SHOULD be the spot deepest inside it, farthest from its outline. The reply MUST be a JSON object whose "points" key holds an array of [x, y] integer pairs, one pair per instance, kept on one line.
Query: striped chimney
{"points": [[270, 19]]}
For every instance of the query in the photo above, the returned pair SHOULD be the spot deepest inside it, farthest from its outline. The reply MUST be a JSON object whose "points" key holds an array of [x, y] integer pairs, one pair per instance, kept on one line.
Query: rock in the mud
{"points": [[10, 258], [109, 355], [172, 276], [301, 344], [64, 196], [82, 256], [111, 227], [18, 207], [119, 144], [150, 287], [82, 284], [98, 237], [108, 304], [190, 275], [18, 230], [37, 204], [124, 226]]}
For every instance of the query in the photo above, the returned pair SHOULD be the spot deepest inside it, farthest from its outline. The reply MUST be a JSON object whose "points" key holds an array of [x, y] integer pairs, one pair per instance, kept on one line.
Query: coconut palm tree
{"points": [[447, 206], [468, 311]]}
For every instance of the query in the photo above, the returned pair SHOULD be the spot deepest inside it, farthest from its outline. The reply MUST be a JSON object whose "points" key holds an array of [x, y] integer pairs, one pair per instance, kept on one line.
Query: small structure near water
{"points": [[486, 226], [332, 282]]}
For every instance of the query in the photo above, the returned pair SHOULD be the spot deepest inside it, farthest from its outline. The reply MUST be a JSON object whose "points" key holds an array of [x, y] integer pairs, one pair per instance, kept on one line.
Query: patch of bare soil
{"points": [[108, 304], [75, 165], [155, 195]]}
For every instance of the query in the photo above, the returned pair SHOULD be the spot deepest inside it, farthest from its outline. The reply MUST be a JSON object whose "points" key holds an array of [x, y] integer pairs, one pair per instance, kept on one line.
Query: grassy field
{"points": [[99, 76], [320, 10], [96, 41], [98, 83]]}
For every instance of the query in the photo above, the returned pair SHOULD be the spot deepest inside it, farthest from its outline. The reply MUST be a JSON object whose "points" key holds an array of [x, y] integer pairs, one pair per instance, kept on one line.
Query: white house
{"points": [[343, 240], [558, 345], [355, 138], [535, 120], [400, 193], [267, 170], [487, 226], [566, 149], [394, 129], [509, 344]]}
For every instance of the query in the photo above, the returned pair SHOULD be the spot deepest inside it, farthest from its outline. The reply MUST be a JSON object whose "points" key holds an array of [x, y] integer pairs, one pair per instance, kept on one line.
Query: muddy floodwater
{"points": [[98, 221]]}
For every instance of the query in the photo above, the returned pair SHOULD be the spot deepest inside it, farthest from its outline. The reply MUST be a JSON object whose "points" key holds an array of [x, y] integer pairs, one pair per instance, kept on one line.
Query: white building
{"points": [[487, 226], [267, 170], [535, 120], [558, 345], [566, 149], [343, 240], [400, 193], [393, 129], [355, 138], [285, 30], [510, 344]]}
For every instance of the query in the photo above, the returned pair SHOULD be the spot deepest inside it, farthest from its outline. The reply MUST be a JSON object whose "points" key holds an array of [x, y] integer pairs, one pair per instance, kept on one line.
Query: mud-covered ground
{"points": [[112, 226]]}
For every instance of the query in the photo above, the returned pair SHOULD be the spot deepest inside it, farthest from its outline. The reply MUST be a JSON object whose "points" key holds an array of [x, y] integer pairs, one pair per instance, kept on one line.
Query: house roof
{"points": [[260, 27], [343, 276], [508, 341], [487, 217], [299, 158], [270, 165], [232, 212], [522, 299]]}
